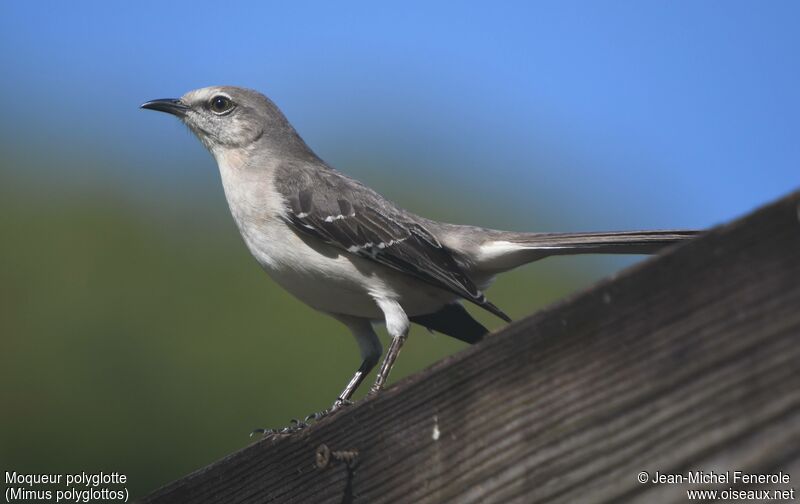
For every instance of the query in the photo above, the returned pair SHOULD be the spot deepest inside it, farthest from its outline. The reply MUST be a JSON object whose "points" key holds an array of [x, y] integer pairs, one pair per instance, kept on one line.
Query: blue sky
{"points": [[594, 115]]}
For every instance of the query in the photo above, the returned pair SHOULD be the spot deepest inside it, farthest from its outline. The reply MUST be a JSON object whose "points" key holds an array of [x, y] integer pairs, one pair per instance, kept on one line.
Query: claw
{"points": [[295, 426], [298, 424], [340, 403], [263, 432], [315, 417]]}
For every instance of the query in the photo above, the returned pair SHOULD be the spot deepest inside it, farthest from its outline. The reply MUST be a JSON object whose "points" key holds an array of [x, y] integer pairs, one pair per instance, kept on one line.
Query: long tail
{"points": [[505, 251]]}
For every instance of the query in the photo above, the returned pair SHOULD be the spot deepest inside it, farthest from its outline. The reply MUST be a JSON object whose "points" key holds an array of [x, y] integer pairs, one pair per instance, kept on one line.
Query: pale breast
{"points": [[324, 277]]}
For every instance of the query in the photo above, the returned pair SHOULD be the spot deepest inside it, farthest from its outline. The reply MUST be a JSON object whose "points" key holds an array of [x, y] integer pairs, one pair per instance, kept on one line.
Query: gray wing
{"points": [[345, 213]]}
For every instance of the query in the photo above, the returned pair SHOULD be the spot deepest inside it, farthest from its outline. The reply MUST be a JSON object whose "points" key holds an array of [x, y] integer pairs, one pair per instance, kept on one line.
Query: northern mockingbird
{"points": [[347, 251]]}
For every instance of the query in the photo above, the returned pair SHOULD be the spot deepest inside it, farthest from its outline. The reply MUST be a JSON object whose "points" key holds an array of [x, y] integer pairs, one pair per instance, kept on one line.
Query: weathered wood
{"points": [[687, 361]]}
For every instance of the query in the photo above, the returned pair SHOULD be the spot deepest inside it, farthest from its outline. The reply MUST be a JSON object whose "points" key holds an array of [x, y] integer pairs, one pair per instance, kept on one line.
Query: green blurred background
{"points": [[145, 339], [138, 335]]}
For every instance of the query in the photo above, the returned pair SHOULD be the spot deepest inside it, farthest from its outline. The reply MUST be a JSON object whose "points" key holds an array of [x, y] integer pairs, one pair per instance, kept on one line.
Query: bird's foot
{"points": [[337, 405], [294, 426], [297, 425], [317, 416], [341, 403]]}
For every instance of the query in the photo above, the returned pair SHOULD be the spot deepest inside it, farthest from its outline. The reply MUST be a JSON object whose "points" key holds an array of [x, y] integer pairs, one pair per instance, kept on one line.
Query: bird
{"points": [[345, 250]]}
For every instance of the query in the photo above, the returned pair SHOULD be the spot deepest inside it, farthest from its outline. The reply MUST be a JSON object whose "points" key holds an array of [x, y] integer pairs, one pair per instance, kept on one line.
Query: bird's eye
{"points": [[220, 104]]}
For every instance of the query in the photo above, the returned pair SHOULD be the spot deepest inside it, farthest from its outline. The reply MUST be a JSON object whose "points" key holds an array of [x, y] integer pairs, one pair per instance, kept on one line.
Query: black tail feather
{"points": [[453, 320]]}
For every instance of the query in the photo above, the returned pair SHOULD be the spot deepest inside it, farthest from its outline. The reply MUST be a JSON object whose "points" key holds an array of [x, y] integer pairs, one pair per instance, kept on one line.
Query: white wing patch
{"points": [[331, 218]]}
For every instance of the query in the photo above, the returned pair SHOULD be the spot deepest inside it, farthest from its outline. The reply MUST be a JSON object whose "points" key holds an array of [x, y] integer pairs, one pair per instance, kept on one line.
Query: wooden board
{"points": [[689, 361]]}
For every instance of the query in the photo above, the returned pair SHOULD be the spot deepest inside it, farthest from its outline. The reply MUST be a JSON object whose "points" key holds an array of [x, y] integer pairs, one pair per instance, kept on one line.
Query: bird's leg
{"points": [[355, 381], [347, 393], [370, 347], [398, 325], [388, 362]]}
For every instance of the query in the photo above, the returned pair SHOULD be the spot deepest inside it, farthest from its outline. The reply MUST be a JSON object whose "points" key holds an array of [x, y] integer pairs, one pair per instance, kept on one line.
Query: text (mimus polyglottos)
{"points": [[347, 251]]}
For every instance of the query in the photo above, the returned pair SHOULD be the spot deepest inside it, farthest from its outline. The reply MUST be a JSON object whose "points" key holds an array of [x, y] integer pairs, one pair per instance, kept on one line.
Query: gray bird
{"points": [[347, 251]]}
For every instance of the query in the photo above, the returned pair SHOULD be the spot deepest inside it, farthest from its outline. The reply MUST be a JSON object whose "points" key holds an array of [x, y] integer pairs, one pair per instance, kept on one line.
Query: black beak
{"points": [[168, 105]]}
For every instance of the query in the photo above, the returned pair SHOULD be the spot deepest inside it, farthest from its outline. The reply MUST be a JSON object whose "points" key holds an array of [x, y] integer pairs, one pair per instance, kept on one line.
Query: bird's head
{"points": [[227, 117]]}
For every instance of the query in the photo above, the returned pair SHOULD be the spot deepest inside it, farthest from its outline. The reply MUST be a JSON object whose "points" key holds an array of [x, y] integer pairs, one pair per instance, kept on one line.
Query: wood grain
{"points": [[687, 361]]}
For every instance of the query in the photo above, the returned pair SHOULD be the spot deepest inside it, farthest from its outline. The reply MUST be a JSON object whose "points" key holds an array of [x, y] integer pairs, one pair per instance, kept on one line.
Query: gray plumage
{"points": [[349, 252], [336, 209]]}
